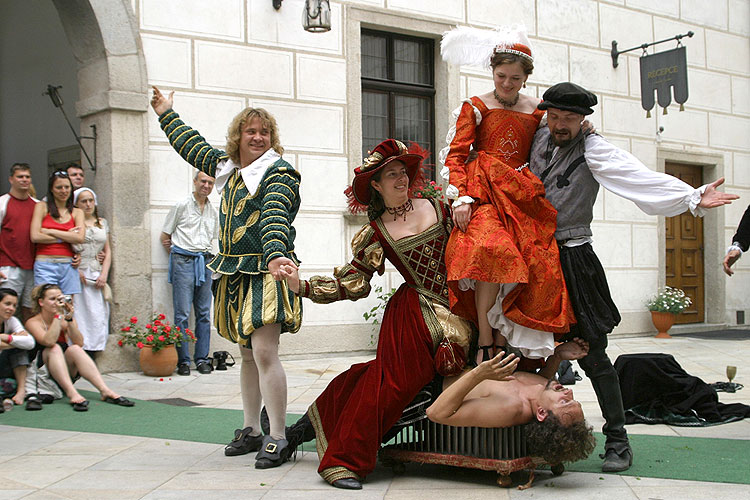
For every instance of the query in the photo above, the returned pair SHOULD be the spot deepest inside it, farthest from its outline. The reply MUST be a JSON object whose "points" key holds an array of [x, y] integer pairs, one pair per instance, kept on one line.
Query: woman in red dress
{"points": [[360, 405], [502, 251]]}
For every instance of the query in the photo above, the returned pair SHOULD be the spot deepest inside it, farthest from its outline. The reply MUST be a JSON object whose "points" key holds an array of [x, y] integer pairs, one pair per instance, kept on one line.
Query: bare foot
{"points": [[109, 394], [19, 397], [75, 397]]}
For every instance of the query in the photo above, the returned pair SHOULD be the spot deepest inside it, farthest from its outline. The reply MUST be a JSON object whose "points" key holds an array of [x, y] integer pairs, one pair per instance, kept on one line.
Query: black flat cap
{"points": [[568, 97]]}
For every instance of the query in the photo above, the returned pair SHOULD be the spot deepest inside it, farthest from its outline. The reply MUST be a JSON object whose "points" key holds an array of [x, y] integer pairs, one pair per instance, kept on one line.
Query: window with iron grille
{"points": [[398, 90]]}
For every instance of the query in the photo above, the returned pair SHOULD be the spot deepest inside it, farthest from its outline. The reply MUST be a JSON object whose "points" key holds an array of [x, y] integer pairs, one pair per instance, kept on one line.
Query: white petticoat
{"points": [[533, 344]]}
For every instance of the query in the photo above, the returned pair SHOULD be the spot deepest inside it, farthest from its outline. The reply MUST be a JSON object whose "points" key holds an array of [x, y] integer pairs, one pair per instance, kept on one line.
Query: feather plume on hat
{"points": [[468, 46]]}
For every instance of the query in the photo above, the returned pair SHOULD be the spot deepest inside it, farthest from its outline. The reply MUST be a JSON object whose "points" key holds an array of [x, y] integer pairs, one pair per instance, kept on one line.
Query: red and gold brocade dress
{"points": [[510, 237], [361, 404]]}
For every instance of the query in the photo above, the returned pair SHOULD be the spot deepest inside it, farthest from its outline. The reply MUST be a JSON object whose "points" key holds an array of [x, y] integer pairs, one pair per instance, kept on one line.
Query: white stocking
{"points": [[250, 391], [271, 376]]}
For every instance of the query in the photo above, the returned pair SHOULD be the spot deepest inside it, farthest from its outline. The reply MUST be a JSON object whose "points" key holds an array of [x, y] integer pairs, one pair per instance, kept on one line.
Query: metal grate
{"points": [[505, 443]]}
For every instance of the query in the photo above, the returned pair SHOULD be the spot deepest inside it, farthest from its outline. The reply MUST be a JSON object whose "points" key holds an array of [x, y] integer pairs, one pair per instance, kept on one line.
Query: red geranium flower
{"points": [[139, 345], [119, 342], [148, 325], [161, 338], [125, 329], [157, 323], [161, 316], [134, 319], [150, 338]]}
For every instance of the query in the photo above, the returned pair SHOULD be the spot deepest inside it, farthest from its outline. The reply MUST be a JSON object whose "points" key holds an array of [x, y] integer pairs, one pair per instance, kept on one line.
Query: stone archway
{"points": [[113, 95]]}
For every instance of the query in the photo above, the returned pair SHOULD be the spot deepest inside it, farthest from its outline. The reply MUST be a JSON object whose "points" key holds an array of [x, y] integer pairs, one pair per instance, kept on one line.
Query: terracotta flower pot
{"points": [[663, 321], [159, 364]]}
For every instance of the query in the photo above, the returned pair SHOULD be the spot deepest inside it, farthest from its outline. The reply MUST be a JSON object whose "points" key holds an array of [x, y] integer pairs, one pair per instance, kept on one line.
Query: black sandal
{"points": [[81, 406], [243, 443], [486, 352], [273, 453]]}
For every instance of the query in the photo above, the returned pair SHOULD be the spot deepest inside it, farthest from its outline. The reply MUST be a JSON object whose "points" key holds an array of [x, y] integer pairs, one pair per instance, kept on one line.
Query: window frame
{"points": [[392, 88]]}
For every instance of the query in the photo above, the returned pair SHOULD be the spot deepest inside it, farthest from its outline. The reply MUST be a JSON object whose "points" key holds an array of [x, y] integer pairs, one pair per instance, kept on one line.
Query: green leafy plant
{"points": [[375, 314], [668, 299]]}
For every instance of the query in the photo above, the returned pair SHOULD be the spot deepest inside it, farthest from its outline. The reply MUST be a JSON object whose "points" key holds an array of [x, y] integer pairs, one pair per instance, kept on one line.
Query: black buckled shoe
{"points": [[272, 453], [614, 462], [205, 368], [243, 443], [183, 369]]}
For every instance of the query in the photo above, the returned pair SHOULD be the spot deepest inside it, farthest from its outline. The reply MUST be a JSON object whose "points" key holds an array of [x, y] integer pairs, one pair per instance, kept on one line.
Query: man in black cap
{"points": [[572, 165]]}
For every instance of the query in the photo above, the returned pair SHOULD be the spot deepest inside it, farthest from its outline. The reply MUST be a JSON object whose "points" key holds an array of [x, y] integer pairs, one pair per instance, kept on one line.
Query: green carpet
{"points": [[145, 419], [698, 459], [669, 457]]}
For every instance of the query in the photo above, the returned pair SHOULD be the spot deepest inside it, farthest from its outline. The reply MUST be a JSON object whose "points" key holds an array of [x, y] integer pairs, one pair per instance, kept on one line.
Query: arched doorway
{"points": [[112, 94]]}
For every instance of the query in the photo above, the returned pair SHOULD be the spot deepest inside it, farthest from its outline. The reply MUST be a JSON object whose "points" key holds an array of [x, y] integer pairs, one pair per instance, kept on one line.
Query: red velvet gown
{"points": [[360, 405], [510, 237]]}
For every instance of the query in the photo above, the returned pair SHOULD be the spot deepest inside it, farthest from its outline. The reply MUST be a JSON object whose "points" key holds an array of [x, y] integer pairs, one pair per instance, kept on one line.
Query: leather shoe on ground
{"points": [[183, 369], [243, 442], [205, 368], [617, 463], [348, 483], [272, 453]]}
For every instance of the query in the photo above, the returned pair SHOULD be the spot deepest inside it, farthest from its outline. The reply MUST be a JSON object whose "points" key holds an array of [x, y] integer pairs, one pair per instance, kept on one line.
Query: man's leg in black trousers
{"points": [[598, 368]]}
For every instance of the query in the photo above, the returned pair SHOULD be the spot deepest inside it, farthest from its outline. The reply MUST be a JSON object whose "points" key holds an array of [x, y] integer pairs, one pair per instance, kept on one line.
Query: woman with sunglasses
{"points": [[55, 226]]}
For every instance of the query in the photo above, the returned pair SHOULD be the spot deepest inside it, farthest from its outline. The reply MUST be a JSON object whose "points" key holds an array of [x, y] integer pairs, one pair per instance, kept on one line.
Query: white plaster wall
{"points": [[239, 53]]}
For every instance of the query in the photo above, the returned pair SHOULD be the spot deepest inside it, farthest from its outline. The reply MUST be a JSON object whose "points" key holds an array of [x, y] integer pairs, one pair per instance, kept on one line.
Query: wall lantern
{"points": [[316, 17]]}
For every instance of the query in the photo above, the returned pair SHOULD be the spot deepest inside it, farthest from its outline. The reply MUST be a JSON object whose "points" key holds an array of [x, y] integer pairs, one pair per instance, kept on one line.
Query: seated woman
{"points": [[360, 405], [57, 334], [15, 344], [488, 396]]}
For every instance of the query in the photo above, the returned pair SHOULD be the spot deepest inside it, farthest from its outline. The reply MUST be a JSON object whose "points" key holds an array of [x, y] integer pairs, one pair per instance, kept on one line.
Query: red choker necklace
{"points": [[401, 210]]}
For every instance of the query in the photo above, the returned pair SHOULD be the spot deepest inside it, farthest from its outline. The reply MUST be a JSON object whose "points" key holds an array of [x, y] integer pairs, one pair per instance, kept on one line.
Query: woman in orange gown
{"points": [[503, 246]]}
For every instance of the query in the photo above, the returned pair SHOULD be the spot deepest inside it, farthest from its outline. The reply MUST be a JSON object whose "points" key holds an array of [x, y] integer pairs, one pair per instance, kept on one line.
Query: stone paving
{"points": [[44, 464]]}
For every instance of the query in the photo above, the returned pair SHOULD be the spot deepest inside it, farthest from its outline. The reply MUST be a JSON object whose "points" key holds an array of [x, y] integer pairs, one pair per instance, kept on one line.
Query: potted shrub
{"points": [[156, 341], [664, 307]]}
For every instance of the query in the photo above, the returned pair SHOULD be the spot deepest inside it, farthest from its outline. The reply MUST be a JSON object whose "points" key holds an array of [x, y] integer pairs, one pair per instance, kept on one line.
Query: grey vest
{"points": [[568, 183]]}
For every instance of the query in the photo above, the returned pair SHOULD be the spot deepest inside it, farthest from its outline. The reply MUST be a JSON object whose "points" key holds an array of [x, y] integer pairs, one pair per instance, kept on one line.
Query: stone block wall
{"points": [[222, 56]]}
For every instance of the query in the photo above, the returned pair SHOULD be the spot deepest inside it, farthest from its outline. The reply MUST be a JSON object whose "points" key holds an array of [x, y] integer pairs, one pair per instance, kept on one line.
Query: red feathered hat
{"points": [[388, 151]]}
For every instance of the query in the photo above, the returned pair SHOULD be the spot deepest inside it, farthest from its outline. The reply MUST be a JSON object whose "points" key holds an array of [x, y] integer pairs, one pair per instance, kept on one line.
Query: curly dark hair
{"points": [[557, 443]]}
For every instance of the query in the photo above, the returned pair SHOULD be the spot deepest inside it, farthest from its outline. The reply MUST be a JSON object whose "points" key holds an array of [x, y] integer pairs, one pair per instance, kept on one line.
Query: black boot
{"points": [[614, 462], [606, 385], [300, 432]]}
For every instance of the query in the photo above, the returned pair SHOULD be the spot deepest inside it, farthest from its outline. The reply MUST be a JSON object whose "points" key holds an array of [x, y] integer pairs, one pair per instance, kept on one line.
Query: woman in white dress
{"points": [[91, 308]]}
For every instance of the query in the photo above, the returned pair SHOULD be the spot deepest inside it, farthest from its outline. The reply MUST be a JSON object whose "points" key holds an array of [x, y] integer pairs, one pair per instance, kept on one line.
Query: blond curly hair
{"points": [[234, 132]]}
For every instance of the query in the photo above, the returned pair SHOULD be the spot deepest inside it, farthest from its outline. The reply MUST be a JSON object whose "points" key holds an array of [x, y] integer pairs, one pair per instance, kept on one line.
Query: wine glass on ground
{"points": [[731, 373]]}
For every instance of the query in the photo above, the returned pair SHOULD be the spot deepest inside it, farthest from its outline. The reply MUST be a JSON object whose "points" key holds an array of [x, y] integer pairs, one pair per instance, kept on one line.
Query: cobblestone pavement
{"points": [[45, 464]]}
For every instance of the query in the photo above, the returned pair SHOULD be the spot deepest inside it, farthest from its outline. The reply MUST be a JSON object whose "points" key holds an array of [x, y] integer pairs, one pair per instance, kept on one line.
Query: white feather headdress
{"points": [[468, 46]]}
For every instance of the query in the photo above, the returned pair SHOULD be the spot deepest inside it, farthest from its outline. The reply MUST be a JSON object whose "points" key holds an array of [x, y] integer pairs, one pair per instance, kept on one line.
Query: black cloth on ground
{"points": [[657, 390]]}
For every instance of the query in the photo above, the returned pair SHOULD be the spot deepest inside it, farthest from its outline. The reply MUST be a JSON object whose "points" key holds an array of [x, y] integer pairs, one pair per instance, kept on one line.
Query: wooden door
{"points": [[684, 243]]}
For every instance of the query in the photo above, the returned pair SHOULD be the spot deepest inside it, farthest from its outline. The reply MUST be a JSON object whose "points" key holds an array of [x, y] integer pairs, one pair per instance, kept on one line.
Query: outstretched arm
{"points": [[351, 281], [656, 193], [740, 243], [190, 145]]}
